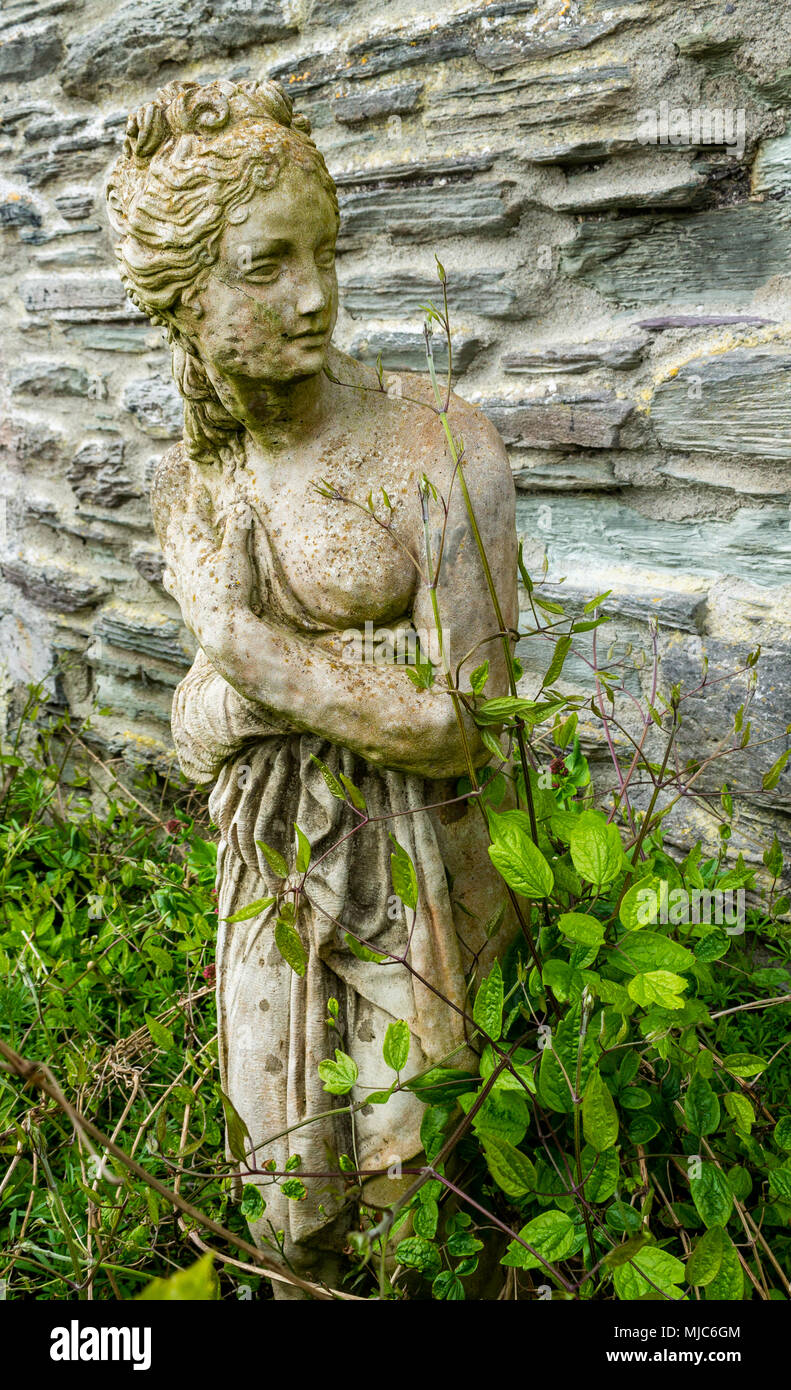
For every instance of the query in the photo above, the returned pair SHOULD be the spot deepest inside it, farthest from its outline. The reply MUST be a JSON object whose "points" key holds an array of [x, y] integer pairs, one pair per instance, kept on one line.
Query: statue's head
{"points": [[227, 219]]}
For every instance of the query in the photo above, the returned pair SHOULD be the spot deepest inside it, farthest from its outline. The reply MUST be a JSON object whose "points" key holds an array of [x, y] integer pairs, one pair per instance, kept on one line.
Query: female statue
{"points": [[226, 219]]}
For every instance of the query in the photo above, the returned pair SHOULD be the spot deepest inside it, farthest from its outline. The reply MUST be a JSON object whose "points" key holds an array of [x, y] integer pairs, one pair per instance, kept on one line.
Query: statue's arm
{"points": [[374, 710]]}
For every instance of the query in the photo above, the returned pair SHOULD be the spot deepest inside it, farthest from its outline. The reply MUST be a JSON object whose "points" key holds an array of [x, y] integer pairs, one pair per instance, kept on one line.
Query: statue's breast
{"points": [[340, 566]]}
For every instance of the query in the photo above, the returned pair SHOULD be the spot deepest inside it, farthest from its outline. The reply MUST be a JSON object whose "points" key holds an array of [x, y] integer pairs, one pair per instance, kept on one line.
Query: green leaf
{"points": [[782, 1133], [771, 778], [740, 1110], [339, 1076], [402, 872], [479, 677], [197, 1284], [160, 1035], [516, 857], [252, 1205], [648, 950], [488, 1008], [274, 859], [712, 1195], [510, 1168], [551, 1235], [657, 987], [289, 944], [448, 1287], [418, 1253], [303, 851], [580, 927], [395, 1048], [704, 1261], [634, 1098], [503, 708], [362, 952], [780, 1184], [252, 910], [649, 1270], [294, 1189], [701, 1107], [355, 795], [640, 904], [558, 658], [329, 777], [728, 1284], [744, 1064], [440, 1084], [237, 1133], [425, 1219], [599, 1116], [596, 851], [600, 1174], [503, 1115]]}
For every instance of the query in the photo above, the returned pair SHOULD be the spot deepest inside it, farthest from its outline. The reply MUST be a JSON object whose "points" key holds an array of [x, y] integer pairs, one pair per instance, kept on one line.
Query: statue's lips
{"points": [[311, 336]]}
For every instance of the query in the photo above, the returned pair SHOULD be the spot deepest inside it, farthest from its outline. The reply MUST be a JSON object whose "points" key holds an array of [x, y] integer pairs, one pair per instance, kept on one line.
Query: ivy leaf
{"points": [[252, 910], [402, 872], [704, 1261], [648, 950], [657, 987], [580, 927], [303, 851], [274, 859], [329, 777], [295, 1189], [552, 1235], [701, 1107], [516, 857], [488, 1008], [744, 1064], [362, 952], [160, 1035], [418, 1253], [511, 1169], [395, 1048], [599, 1115], [650, 1269], [339, 1076], [596, 851], [252, 1205], [712, 1195], [289, 944]]}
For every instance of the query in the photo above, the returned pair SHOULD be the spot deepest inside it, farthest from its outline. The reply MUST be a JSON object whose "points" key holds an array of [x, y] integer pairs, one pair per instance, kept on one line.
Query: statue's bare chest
{"points": [[341, 566]]}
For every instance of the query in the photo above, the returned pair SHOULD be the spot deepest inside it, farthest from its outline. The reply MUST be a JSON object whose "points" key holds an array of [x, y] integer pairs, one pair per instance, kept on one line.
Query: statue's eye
{"points": [[325, 259], [263, 272]]}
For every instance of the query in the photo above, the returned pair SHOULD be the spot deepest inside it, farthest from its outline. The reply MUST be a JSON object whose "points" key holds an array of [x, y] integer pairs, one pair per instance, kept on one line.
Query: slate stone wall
{"points": [[620, 291]]}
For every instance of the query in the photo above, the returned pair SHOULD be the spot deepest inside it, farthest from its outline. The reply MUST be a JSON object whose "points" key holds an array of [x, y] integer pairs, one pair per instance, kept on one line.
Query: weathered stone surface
{"points": [[393, 293], [546, 470], [97, 337], [75, 206], [681, 609], [135, 42], [407, 350], [622, 354], [146, 633], [590, 422], [733, 403], [98, 475], [354, 107], [52, 379], [602, 190], [18, 211], [710, 257], [149, 563], [50, 584], [508, 50], [156, 406], [77, 299], [515, 107], [31, 53], [425, 214], [30, 443], [663, 321], [581, 533]]}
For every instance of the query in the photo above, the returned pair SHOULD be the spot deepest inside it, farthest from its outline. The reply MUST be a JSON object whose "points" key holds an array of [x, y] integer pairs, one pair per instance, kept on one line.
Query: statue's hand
{"points": [[210, 584]]}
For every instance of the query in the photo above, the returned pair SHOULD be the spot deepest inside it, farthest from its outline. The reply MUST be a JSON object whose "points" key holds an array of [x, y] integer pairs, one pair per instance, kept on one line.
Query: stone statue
{"points": [[226, 218]]}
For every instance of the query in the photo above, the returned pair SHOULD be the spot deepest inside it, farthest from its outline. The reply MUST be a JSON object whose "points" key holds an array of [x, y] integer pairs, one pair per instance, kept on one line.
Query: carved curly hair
{"points": [[191, 157]]}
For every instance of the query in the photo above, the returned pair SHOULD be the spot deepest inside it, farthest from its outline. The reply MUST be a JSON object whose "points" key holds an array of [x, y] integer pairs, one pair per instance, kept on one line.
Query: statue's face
{"points": [[270, 304]]}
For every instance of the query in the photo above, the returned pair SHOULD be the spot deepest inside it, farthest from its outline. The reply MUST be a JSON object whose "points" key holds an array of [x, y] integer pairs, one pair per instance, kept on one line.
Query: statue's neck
{"points": [[280, 415]]}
